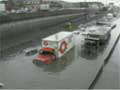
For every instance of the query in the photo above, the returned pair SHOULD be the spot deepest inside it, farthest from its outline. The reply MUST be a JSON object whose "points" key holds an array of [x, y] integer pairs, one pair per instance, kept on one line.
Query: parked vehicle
{"points": [[55, 46], [107, 24]]}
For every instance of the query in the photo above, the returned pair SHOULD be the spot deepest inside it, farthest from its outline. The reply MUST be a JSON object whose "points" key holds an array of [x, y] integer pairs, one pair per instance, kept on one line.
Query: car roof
{"points": [[97, 30]]}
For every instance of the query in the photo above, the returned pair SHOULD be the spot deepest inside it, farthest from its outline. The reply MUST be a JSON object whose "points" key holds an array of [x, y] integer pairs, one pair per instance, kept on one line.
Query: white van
{"points": [[55, 46], [61, 42]]}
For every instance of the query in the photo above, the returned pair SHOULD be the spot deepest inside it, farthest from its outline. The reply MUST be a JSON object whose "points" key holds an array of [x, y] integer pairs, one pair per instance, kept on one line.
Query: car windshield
{"points": [[94, 36]]}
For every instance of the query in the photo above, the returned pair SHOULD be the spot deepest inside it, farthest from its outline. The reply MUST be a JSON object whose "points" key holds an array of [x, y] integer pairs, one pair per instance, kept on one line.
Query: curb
{"points": [[105, 62]]}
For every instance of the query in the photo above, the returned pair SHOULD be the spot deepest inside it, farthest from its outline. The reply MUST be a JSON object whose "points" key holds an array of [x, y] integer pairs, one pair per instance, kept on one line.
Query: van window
{"points": [[46, 52]]}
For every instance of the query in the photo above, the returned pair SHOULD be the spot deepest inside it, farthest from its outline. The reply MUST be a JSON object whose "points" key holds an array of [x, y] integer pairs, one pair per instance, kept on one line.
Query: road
{"points": [[75, 70], [110, 77]]}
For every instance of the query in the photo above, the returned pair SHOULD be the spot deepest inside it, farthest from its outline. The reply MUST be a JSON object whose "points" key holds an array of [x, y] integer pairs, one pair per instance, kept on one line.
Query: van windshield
{"points": [[46, 52]]}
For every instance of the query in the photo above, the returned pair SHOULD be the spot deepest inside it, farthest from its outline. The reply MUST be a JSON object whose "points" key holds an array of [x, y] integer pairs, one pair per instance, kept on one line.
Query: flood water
{"points": [[75, 70], [111, 72], [19, 71]]}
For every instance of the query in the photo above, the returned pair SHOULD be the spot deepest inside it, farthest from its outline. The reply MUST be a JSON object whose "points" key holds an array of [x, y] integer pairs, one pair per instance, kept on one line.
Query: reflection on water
{"points": [[91, 52], [60, 64]]}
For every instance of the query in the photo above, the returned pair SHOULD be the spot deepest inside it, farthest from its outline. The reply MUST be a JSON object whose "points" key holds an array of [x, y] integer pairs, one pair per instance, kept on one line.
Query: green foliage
{"points": [[70, 27]]}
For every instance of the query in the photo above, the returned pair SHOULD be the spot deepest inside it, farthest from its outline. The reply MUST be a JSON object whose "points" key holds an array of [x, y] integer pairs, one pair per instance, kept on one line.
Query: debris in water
{"points": [[1, 85]]}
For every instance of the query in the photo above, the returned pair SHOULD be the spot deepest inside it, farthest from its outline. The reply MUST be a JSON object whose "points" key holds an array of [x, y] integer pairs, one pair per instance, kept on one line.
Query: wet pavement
{"points": [[76, 70], [110, 77], [19, 71]]}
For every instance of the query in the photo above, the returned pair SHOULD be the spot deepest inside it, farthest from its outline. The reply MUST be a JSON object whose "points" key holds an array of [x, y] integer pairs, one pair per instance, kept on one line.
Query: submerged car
{"points": [[106, 23], [30, 51], [97, 33]]}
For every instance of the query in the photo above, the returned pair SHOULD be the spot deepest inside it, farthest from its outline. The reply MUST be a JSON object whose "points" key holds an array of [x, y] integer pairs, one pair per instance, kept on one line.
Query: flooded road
{"points": [[76, 70], [73, 71], [19, 71], [110, 77]]}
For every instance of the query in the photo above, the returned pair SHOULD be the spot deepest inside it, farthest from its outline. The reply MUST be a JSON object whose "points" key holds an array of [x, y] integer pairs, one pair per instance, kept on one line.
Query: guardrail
{"points": [[25, 16]]}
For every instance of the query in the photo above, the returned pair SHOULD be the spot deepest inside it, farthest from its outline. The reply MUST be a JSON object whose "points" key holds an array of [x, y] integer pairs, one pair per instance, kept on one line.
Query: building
{"points": [[90, 5], [48, 1], [2, 7], [26, 3], [9, 5]]}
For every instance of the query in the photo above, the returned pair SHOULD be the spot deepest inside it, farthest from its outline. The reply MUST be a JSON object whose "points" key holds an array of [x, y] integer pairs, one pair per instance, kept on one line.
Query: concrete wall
{"points": [[12, 17]]}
